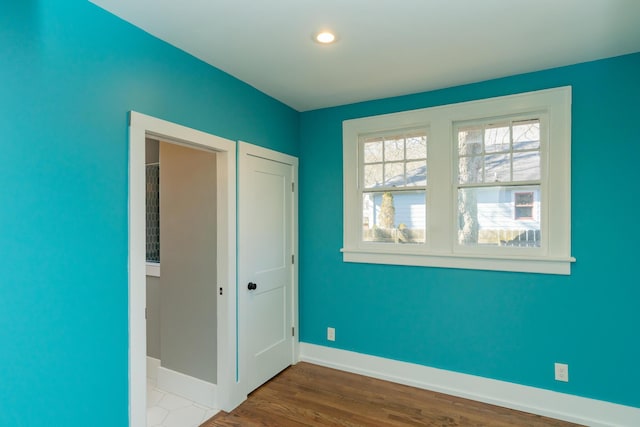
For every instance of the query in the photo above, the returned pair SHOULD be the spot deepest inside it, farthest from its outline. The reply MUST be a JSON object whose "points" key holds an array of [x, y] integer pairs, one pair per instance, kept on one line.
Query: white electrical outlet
{"points": [[331, 334], [562, 372]]}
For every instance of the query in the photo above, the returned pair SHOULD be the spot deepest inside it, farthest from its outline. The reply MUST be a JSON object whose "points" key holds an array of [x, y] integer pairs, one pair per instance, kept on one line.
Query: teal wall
{"points": [[506, 326], [69, 73]]}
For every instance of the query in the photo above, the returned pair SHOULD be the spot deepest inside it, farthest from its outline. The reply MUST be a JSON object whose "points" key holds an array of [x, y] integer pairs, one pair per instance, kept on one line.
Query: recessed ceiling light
{"points": [[325, 37]]}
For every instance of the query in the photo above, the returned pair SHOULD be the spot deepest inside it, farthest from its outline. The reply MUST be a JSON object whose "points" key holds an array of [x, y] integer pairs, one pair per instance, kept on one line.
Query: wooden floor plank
{"points": [[311, 395]]}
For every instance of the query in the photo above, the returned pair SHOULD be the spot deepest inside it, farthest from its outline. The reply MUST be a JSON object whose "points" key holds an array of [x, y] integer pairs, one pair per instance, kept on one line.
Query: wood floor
{"points": [[310, 395]]}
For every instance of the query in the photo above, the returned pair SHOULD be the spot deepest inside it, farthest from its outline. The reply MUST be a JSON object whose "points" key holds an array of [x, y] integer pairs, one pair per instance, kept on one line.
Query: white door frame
{"points": [[245, 150], [228, 392]]}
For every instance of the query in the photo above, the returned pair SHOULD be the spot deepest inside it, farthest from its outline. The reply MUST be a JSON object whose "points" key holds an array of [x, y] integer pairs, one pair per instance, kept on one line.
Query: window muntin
{"points": [[496, 159], [393, 182], [507, 151], [394, 161]]}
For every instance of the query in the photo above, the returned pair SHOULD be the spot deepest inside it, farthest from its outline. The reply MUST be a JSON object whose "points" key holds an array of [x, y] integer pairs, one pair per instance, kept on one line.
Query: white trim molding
{"points": [[201, 392], [153, 269], [142, 126], [464, 261], [153, 365], [581, 410]]}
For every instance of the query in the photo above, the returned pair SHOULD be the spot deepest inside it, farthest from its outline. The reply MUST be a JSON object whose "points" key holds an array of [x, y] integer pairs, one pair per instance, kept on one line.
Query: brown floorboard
{"points": [[311, 395]]}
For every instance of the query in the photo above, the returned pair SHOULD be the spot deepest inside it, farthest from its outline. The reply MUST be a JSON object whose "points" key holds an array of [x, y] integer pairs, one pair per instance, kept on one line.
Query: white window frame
{"points": [[441, 248]]}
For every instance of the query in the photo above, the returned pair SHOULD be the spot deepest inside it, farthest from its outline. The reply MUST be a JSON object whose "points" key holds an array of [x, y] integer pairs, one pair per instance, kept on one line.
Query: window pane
{"points": [[497, 168], [416, 147], [372, 176], [393, 150], [526, 166], [487, 216], [394, 217], [470, 170], [373, 152], [394, 174], [526, 136], [497, 138], [396, 161], [504, 161], [416, 173], [469, 142]]}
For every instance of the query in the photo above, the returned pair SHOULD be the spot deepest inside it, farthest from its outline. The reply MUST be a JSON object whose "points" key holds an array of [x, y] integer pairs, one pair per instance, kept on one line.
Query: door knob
{"points": [[252, 286]]}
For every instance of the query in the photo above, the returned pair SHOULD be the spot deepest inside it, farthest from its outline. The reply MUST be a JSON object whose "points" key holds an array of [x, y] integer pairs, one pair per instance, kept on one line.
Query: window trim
{"points": [[441, 248]]}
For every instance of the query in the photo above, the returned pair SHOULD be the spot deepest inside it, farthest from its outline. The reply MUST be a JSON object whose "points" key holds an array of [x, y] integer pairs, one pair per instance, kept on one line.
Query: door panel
{"points": [[266, 245]]}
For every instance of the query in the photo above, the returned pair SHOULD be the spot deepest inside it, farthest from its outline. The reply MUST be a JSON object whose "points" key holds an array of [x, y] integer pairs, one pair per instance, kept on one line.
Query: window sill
{"points": [[153, 269], [544, 265]]}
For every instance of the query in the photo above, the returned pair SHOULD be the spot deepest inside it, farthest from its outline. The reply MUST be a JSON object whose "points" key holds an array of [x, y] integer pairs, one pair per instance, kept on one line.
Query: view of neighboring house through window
{"points": [[394, 180], [497, 160]]}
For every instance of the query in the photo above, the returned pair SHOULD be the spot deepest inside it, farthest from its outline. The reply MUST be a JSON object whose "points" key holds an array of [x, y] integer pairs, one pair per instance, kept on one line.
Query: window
{"points": [[496, 160], [523, 204], [465, 185], [393, 182], [153, 212]]}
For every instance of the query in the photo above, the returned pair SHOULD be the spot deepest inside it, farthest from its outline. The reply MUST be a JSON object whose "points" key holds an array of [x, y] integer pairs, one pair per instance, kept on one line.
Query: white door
{"points": [[266, 254]]}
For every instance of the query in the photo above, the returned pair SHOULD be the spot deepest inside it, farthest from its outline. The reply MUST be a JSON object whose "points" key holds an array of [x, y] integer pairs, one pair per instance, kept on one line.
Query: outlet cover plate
{"points": [[562, 372]]}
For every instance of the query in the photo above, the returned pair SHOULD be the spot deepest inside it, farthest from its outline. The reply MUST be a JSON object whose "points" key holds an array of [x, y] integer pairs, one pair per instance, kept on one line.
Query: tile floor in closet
{"points": [[166, 409]]}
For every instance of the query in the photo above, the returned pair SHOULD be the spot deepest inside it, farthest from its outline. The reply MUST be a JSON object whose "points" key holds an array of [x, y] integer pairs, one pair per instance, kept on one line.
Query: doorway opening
{"points": [[226, 393]]}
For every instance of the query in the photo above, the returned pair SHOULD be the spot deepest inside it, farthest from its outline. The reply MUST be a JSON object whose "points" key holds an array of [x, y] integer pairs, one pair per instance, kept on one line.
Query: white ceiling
{"points": [[385, 47]]}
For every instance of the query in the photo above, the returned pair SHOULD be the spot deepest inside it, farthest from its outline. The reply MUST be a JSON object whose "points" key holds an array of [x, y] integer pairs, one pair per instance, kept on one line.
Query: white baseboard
{"points": [[591, 412], [201, 392], [153, 269], [152, 368]]}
